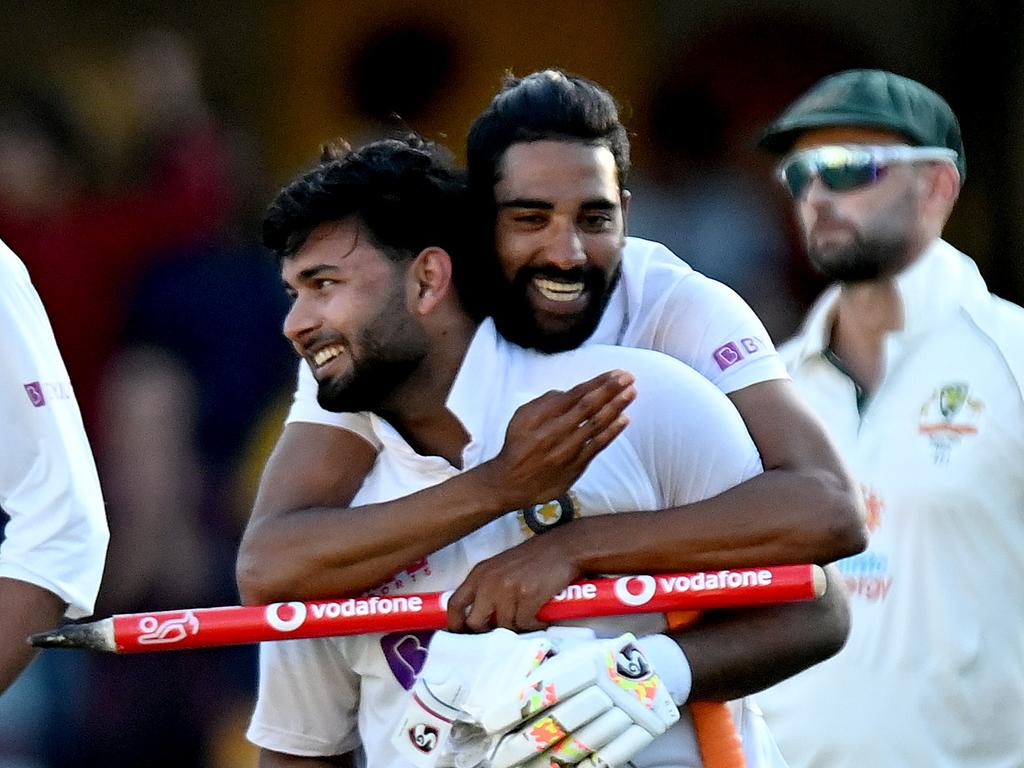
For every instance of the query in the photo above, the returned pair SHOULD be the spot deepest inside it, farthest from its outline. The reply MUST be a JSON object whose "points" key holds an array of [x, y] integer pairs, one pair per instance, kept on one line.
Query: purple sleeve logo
{"points": [[729, 354], [35, 394]]}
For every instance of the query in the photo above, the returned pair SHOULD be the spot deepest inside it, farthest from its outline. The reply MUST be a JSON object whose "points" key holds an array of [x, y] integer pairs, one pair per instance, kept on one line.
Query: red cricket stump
{"points": [[236, 625]]}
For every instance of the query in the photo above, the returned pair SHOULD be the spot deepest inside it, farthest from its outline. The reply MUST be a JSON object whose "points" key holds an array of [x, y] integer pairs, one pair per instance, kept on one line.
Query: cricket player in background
{"points": [[54, 542]]}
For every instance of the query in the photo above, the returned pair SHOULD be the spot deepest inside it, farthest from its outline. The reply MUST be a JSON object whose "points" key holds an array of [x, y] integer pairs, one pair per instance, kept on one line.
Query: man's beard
{"points": [[366, 387], [881, 252], [860, 260], [389, 352], [517, 320]]}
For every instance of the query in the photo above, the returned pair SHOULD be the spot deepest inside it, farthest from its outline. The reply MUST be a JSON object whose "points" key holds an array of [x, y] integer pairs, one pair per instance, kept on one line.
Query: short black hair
{"points": [[546, 105], [405, 192]]}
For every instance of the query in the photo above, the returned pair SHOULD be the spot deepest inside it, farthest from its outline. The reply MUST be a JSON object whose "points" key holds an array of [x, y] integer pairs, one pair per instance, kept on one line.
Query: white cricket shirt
{"points": [[660, 303], [933, 673], [685, 442], [56, 537]]}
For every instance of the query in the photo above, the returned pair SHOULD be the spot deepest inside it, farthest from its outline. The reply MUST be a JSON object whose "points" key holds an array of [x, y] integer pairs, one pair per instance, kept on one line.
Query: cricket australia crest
{"points": [[948, 416]]}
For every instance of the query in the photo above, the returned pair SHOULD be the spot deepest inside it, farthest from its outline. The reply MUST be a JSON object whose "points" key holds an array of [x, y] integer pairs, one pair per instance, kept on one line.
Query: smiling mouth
{"points": [[323, 356], [559, 290]]}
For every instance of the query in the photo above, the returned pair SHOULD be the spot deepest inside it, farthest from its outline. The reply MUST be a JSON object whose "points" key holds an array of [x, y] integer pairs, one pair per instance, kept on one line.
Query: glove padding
{"points": [[589, 700], [456, 665], [606, 698]]}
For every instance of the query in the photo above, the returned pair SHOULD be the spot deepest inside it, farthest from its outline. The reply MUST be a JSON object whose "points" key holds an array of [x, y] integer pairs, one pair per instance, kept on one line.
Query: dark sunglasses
{"points": [[842, 168]]}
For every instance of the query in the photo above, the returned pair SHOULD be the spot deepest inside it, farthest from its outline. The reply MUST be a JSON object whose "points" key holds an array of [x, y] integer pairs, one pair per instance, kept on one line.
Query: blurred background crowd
{"points": [[141, 140]]}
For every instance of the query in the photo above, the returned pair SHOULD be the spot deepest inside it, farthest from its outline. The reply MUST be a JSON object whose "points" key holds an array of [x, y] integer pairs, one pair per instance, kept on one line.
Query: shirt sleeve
{"points": [[686, 433], [705, 324], [56, 535], [308, 699], [305, 408]]}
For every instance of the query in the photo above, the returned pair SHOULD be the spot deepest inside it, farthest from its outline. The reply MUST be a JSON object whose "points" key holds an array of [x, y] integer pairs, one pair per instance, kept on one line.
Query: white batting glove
{"points": [[456, 665], [577, 695], [601, 697]]}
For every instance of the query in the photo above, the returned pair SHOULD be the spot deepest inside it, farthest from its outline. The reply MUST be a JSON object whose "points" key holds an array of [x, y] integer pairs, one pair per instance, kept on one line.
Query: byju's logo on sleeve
{"points": [[41, 392], [732, 352], [35, 394]]}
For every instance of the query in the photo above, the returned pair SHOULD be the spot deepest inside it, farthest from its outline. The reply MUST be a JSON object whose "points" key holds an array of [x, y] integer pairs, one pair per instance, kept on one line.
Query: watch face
{"points": [[543, 517]]}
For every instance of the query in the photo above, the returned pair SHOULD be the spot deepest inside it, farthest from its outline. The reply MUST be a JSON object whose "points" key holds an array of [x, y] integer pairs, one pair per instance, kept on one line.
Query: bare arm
{"points": [[304, 542], [731, 652], [270, 759], [777, 517], [26, 609], [805, 507], [736, 652]]}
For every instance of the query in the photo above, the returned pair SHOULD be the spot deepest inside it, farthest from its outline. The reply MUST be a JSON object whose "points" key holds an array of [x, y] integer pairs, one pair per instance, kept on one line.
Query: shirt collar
{"points": [[476, 386], [938, 283], [466, 399]]}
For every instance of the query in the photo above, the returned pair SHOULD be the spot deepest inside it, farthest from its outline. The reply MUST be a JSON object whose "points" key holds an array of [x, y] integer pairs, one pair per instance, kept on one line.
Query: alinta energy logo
{"points": [[873, 506], [867, 574]]}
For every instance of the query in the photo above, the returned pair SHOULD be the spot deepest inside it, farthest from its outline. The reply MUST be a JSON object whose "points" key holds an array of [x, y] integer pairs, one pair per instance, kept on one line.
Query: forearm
{"points": [[331, 551], [736, 652], [777, 517], [26, 609], [302, 542]]}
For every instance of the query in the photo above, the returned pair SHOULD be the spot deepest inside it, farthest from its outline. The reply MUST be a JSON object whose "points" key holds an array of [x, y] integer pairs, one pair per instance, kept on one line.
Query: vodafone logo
{"points": [[635, 590], [296, 610]]}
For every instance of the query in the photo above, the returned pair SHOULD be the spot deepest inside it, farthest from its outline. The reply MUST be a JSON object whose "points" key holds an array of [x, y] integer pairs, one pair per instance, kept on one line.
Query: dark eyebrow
{"points": [[308, 274], [599, 204], [520, 202]]}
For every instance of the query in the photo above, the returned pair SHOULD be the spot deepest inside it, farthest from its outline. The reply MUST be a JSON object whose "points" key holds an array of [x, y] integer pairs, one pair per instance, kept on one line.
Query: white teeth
{"points": [[327, 354], [556, 290]]}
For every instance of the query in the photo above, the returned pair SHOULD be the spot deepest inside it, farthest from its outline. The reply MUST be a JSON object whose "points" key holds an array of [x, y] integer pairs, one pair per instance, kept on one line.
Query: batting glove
{"points": [[599, 701]]}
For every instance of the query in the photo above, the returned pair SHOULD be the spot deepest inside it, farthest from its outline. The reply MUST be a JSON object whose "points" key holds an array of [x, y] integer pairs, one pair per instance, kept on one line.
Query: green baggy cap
{"points": [[870, 98]]}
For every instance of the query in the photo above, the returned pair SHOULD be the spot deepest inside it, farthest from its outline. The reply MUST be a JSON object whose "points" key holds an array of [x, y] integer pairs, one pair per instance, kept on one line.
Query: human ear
{"points": [[943, 188], [624, 203], [430, 279]]}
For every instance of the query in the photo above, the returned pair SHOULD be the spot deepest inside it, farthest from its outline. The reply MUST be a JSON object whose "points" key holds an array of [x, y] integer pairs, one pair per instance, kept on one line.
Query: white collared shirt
{"points": [[933, 673], [660, 304], [56, 537], [685, 442]]}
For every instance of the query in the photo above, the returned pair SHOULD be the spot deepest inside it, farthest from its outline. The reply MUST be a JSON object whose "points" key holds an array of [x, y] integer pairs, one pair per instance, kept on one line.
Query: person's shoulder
{"points": [[640, 256], [663, 279], [11, 267], [17, 294], [793, 349], [651, 368], [1007, 314], [1002, 322], [676, 408]]}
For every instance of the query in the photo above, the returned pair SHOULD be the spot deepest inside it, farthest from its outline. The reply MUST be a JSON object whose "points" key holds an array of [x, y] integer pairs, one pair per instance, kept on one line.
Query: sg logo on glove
{"points": [[424, 737]]}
